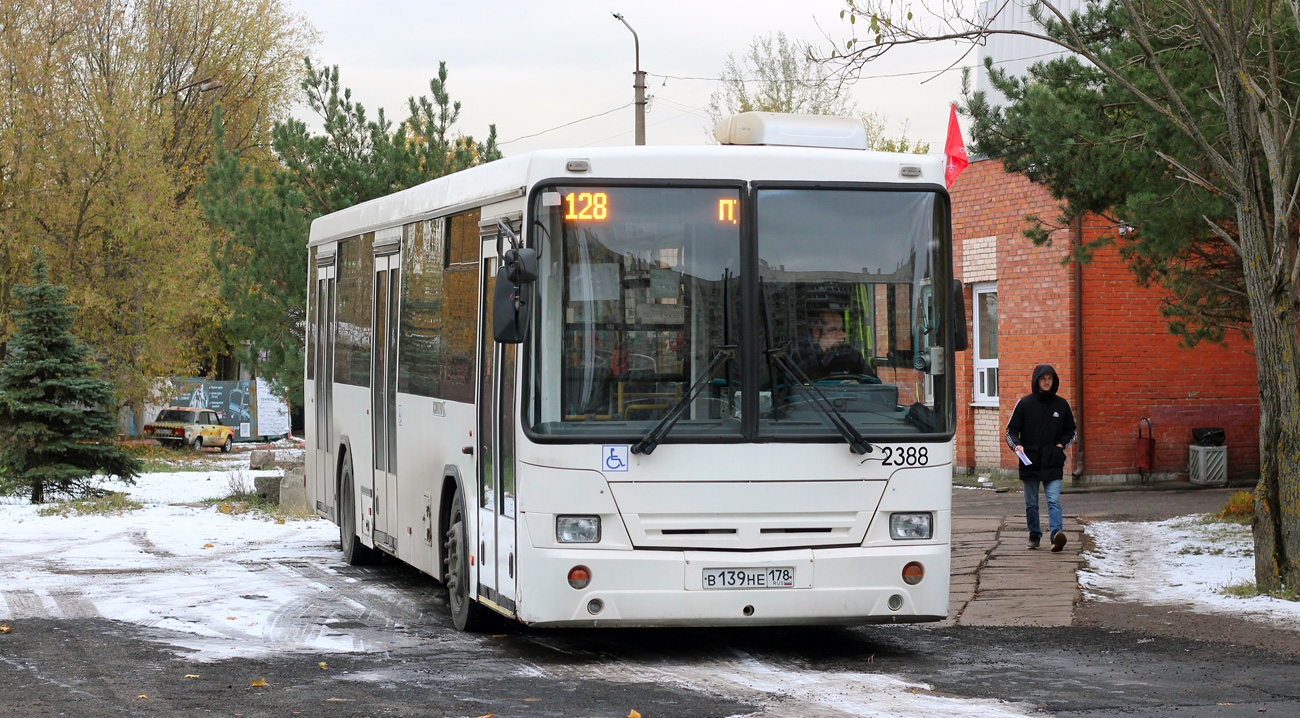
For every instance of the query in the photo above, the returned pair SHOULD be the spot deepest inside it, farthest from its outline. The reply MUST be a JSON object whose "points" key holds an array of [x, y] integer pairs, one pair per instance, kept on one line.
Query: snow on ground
{"points": [[221, 582], [222, 585], [786, 690], [1186, 561]]}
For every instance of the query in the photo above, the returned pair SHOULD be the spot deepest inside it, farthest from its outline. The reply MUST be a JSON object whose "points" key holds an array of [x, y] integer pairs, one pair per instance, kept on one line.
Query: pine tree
{"points": [[266, 208], [54, 432]]}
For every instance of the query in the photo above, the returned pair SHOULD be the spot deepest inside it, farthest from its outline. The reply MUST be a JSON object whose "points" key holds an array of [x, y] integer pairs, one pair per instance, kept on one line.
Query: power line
{"points": [[690, 109], [719, 79], [625, 132], [557, 127], [860, 77]]}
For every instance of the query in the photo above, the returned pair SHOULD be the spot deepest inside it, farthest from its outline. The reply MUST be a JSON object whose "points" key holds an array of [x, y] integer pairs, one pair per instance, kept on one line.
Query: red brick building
{"points": [[1102, 332]]}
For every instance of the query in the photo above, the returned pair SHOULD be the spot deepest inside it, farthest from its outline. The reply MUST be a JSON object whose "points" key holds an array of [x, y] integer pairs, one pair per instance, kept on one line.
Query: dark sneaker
{"points": [[1033, 542], [1058, 541]]}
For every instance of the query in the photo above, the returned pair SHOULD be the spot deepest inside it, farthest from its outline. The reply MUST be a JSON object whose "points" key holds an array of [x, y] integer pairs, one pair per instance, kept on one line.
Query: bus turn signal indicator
{"points": [[579, 576]]}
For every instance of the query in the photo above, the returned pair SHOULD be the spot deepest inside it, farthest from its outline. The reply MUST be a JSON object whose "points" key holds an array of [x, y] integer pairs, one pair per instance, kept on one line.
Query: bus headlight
{"points": [[911, 527], [577, 529]]}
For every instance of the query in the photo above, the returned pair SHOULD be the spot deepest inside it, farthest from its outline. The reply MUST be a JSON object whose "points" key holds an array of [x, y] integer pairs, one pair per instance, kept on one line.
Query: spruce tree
{"points": [[55, 434]]}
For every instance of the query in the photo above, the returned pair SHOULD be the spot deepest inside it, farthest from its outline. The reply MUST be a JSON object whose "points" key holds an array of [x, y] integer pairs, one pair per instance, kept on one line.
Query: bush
{"points": [[1240, 508]]}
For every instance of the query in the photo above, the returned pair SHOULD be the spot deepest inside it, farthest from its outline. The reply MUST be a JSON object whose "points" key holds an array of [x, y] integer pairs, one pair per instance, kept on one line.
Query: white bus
{"points": [[634, 386]]}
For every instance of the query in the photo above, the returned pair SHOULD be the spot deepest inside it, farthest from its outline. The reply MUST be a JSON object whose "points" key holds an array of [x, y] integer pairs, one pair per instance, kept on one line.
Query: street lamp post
{"points": [[639, 85], [204, 85]]}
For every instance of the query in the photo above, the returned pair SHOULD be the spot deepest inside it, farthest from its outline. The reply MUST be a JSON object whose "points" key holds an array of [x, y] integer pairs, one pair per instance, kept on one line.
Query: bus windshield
{"points": [[640, 295], [640, 292], [846, 281]]}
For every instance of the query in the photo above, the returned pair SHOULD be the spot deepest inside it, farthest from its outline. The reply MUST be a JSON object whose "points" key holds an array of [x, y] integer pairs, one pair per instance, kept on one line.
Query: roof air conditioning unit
{"points": [[1207, 465], [792, 130]]}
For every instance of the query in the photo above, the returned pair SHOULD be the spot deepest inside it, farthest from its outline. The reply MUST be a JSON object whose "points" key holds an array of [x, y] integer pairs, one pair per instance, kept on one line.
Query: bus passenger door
{"points": [[383, 403], [323, 396], [495, 449]]}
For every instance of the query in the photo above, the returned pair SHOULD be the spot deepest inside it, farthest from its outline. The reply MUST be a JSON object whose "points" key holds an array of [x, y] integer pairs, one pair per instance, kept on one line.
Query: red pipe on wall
{"points": [[1078, 351]]}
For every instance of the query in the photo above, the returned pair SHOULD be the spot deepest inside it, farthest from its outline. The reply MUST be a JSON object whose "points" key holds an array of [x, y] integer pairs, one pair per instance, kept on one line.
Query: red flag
{"points": [[954, 151]]}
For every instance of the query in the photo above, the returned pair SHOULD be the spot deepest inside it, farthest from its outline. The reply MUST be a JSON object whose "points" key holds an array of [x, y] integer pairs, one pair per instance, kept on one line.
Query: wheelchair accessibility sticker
{"points": [[613, 458]]}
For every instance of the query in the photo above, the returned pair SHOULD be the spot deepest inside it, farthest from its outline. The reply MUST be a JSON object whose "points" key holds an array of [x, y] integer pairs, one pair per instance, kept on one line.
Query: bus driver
{"points": [[825, 351]]}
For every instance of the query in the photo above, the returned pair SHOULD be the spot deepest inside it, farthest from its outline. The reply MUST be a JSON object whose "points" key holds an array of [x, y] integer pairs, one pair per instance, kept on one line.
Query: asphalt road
{"points": [[1117, 660]]}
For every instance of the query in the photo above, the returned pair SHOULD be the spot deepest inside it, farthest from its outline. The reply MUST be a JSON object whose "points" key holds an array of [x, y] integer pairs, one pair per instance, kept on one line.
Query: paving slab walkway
{"points": [[997, 581]]}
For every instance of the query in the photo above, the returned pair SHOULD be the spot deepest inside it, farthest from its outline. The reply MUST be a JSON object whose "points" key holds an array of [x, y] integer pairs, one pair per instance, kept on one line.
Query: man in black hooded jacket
{"points": [[1041, 428]]}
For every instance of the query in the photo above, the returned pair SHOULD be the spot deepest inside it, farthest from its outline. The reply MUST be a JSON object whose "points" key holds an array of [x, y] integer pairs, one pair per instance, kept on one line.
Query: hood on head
{"points": [[1040, 370]]}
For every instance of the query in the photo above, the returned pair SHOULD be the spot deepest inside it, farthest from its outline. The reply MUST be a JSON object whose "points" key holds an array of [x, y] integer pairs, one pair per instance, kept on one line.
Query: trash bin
{"points": [[1207, 465], [1208, 436]]}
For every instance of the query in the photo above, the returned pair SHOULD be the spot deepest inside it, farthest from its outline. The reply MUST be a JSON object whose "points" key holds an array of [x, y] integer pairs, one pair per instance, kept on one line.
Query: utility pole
{"points": [[639, 84]]}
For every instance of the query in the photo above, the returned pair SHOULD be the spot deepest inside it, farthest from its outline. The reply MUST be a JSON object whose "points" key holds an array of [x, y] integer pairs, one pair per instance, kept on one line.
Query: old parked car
{"points": [[184, 426]]}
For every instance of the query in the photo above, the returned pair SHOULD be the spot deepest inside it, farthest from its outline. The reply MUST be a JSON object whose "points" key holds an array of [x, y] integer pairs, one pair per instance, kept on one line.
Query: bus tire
{"points": [[355, 553], [466, 614]]}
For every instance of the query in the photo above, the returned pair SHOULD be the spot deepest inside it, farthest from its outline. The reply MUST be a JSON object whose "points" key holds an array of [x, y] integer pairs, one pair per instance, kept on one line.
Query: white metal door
{"points": [[323, 397], [383, 401], [496, 457]]}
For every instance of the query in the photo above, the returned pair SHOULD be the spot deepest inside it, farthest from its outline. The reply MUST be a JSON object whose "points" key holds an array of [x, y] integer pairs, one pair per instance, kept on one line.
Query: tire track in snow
{"points": [[785, 686], [24, 604]]}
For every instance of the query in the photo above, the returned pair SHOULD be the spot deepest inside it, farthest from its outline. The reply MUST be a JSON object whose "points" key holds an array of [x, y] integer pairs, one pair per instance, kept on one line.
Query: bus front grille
{"points": [[747, 516]]}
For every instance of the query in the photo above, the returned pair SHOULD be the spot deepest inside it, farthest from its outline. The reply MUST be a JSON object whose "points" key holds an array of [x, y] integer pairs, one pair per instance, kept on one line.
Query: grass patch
{"points": [[1239, 509], [1201, 551], [157, 458], [155, 466], [1247, 589], [114, 503], [242, 498]]}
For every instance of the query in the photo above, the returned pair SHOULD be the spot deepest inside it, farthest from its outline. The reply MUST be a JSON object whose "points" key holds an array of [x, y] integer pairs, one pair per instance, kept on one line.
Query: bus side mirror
{"points": [[960, 342], [512, 301], [520, 265]]}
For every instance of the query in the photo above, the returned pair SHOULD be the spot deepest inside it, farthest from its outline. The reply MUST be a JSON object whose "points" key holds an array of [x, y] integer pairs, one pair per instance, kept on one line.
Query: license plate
{"points": [[775, 577]]}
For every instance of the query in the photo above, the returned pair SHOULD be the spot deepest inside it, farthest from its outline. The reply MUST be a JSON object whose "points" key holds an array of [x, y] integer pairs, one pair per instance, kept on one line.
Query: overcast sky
{"points": [[530, 67]]}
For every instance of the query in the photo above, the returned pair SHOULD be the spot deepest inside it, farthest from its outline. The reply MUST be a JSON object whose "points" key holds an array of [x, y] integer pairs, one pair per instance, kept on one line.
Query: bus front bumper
{"points": [[851, 585]]}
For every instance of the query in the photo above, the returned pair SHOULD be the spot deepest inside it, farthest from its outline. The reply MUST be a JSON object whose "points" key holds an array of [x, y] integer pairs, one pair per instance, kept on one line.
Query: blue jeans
{"points": [[1054, 520]]}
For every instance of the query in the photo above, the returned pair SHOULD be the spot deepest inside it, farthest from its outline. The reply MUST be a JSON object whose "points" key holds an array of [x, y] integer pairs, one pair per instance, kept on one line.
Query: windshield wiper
{"points": [[650, 441], [792, 371]]}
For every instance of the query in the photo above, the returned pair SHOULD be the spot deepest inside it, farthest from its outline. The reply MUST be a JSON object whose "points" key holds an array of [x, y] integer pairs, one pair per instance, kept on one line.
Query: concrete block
{"points": [[293, 490], [261, 459], [267, 488]]}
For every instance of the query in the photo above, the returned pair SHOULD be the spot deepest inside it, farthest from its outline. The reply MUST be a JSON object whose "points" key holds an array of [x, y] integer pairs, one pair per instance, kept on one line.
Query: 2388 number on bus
{"points": [[904, 455]]}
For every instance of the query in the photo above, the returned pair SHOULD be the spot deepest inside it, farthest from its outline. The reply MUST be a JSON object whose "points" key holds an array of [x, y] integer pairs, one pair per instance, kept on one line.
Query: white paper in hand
{"points": [[1020, 451]]}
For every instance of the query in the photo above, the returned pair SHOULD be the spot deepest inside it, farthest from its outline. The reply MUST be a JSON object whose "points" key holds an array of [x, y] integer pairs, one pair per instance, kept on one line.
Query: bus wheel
{"points": [[355, 553], [465, 611]]}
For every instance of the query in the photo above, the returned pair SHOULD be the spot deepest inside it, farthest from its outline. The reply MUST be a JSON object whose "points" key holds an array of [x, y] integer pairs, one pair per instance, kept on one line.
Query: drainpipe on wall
{"points": [[1078, 352]]}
